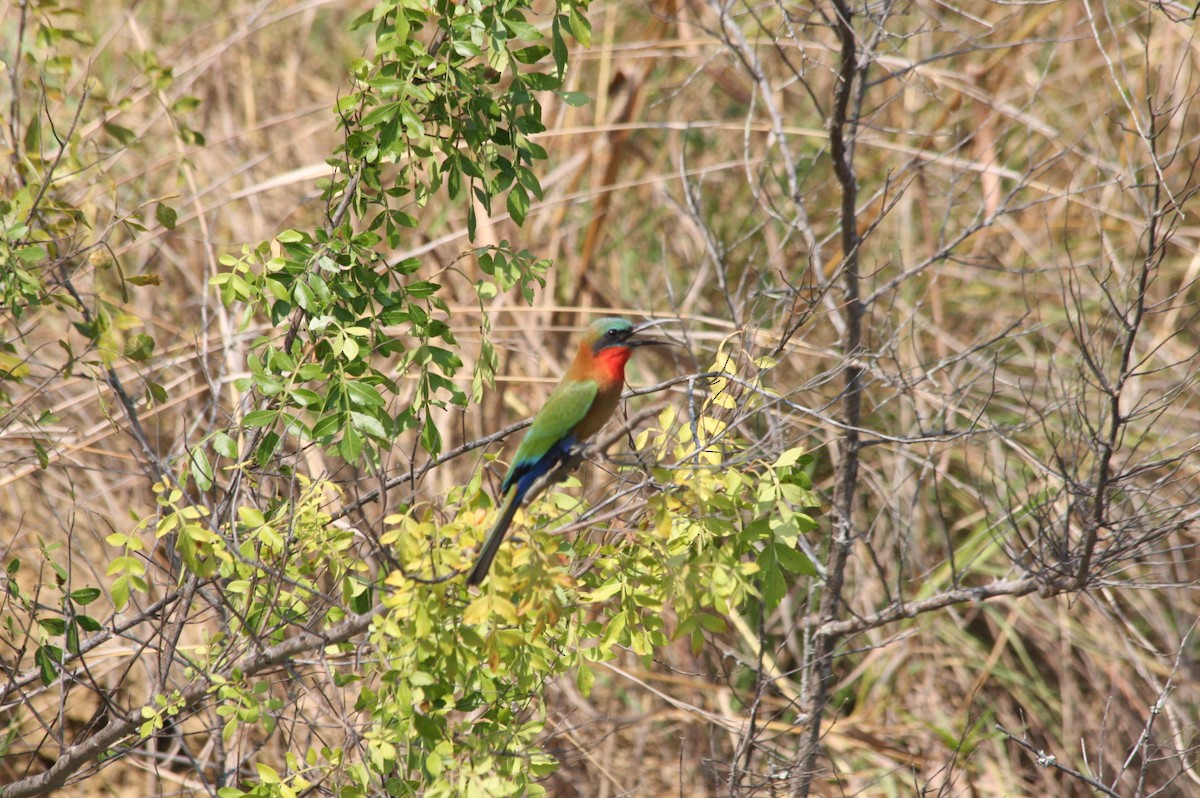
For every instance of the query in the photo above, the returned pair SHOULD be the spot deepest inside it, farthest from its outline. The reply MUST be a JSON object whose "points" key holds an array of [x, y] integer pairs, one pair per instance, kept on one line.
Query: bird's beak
{"points": [[635, 342]]}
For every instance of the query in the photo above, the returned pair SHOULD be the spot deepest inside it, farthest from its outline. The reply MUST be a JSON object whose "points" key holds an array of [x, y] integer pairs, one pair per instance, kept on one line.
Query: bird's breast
{"points": [[599, 413]]}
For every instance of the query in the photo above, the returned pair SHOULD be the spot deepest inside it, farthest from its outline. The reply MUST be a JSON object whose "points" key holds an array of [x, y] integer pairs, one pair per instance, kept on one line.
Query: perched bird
{"points": [[579, 406]]}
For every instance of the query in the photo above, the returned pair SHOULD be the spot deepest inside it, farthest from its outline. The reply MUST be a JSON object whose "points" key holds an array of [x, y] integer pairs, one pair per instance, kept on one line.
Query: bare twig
{"points": [[75, 757], [846, 479]]}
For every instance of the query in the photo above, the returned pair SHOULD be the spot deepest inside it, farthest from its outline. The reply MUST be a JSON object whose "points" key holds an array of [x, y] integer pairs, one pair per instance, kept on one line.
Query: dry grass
{"points": [[1003, 188]]}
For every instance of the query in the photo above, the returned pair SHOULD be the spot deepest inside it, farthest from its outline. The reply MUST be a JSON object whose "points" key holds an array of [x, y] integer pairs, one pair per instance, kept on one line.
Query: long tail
{"points": [[490, 546]]}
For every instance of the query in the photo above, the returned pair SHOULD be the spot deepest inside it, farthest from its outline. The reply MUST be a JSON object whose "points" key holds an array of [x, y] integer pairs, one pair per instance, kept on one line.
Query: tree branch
{"points": [[71, 759]]}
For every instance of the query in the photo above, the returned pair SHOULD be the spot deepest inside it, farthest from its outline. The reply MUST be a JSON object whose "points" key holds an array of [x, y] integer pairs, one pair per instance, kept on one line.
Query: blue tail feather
{"points": [[524, 474], [516, 485]]}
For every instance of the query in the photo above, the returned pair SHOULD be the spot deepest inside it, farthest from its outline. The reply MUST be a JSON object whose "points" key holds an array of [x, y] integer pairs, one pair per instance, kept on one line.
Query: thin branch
{"points": [[72, 758], [1050, 761]]}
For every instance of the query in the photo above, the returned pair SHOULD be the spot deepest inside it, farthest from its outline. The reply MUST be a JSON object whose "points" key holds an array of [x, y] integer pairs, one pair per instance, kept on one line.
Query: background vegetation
{"points": [[911, 510]]}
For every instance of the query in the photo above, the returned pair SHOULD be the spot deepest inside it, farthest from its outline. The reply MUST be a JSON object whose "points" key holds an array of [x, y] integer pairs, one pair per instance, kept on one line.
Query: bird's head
{"points": [[606, 348], [619, 334]]}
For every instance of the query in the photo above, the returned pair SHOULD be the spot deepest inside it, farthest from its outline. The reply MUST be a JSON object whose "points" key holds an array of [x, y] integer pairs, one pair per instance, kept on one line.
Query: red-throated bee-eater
{"points": [[579, 406]]}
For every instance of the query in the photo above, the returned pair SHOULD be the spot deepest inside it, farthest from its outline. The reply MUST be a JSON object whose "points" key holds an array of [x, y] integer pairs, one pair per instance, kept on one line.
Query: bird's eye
{"points": [[612, 333]]}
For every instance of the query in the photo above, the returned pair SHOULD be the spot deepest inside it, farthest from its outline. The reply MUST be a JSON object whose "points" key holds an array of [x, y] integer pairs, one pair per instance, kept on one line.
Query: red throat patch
{"points": [[610, 362]]}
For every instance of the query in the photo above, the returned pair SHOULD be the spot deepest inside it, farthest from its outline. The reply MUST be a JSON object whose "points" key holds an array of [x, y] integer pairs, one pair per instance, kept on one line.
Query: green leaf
{"points": [[185, 104], [382, 114], [156, 391], [120, 592], [581, 29], [351, 444], [268, 774], [518, 203], [143, 279], [795, 560], [362, 601], [196, 555], [364, 394], [31, 253], [531, 55], [606, 591], [225, 445], [85, 596], [585, 678], [427, 728], [88, 623], [303, 296], [521, 29], [139, 347], [788, 458], [303, 397], [431, 438], [266, 448], [540, 81], [712, 623], [773, 585], [560, 44], [260, 418], [576, 99], [71, 641], [165, 215], [328, 426], [123, 135], [53, 626], [201, 469], [612, 633], [47, 658], [368, 425], [422, 289]]}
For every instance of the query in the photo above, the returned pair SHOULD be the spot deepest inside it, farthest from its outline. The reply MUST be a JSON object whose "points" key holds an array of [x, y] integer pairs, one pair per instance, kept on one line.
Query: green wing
{"points": [[541, 446], [565, 408]]}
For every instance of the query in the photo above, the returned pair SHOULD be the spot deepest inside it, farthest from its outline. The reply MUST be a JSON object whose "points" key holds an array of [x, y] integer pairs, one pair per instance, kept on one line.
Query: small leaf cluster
{"points": [[458, 107], [273, 566], [22, 256], [165, 709], [328, 383], [54, 629], [716, 537]]}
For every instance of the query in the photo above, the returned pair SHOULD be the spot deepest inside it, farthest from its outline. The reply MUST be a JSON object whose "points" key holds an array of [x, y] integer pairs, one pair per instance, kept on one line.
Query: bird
{"points": [[579, 406]]}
